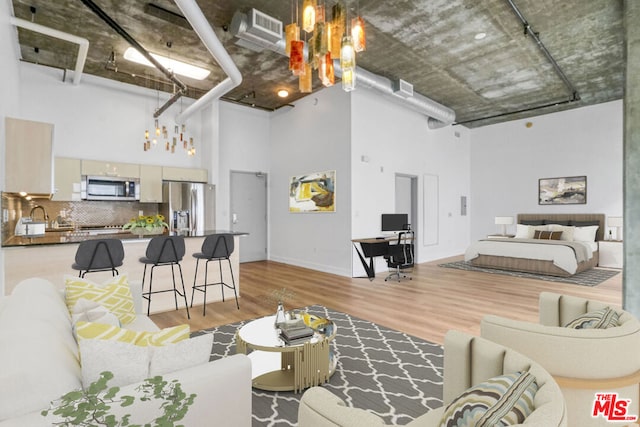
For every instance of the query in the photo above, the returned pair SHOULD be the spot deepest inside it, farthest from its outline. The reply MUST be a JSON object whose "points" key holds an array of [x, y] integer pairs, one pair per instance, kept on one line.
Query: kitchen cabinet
{"points": [[66, 179], [28, 156], [170, 173], [102, 168], [150, 184]]}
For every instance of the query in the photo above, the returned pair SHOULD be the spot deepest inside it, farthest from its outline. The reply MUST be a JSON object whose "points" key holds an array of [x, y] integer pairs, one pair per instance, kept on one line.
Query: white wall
{"points": [[395, 140], [507, 160], [244, 147], [314, 136], [102, 120]]}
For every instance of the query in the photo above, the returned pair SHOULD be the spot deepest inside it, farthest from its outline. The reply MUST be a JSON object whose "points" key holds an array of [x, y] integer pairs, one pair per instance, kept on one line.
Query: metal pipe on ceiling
{"points": [[439, 115], [534, 35], [83, 44], [182, 88], [203, 29]]}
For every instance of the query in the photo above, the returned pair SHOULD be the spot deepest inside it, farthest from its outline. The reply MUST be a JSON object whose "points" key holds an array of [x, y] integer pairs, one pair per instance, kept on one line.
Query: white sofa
{"points": [[39, 362]]}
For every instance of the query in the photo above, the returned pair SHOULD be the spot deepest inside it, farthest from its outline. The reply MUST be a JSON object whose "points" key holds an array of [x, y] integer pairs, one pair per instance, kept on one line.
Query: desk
{"points": [[371, 248]]}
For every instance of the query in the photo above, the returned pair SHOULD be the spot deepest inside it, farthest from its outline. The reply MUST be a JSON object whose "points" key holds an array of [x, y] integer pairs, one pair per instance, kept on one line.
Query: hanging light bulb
{"points": [[292, 32], [157, 128], [146, 134], [296, 57], [358, 34], [347, 54], [309, 15]]}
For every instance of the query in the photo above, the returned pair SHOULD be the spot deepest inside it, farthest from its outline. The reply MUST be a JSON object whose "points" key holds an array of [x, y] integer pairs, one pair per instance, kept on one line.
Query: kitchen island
{"points": [[51, 256]]}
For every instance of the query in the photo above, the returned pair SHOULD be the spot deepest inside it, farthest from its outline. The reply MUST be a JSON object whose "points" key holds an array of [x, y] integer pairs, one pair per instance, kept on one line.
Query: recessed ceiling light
{"points": [[480, 36], [178, 67], [283, 93]]}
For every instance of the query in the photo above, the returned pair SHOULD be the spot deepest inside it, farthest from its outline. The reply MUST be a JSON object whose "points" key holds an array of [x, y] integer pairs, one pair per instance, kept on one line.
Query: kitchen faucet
{"points": [[44, 212]]}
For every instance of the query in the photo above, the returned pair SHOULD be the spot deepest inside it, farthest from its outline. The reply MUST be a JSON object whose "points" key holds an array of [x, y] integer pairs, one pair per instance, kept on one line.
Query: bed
{"points": [[550, 257]]}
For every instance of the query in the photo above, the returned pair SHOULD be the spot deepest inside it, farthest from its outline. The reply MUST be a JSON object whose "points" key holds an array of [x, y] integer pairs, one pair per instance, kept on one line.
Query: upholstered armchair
{"points": [[468, 361], [582, 361]]}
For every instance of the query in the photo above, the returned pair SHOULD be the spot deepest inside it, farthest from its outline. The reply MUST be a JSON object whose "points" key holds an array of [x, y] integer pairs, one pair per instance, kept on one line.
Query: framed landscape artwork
{"points": [[313, 192], [570, 190]]}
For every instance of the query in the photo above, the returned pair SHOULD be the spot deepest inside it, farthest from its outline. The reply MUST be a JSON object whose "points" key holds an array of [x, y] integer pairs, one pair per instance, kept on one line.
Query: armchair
{"points": [[468, 361], [582, 361]]}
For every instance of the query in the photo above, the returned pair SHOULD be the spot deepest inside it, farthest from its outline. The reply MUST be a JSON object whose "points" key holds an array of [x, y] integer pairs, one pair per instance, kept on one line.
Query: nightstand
{"points": [[501, 236], [611, 253]]}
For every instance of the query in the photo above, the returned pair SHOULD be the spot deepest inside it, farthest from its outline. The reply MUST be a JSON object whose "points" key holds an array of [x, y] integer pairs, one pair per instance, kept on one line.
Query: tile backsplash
{"points": [[81, 213]]}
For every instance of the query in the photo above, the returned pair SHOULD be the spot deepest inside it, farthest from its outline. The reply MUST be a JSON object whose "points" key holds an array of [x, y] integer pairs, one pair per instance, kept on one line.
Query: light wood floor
{"points": [[435, 300]]}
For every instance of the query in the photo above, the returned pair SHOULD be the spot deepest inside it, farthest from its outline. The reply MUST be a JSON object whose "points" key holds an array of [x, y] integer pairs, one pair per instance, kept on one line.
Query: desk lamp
{"points": [[617, 222], [504, 221]]}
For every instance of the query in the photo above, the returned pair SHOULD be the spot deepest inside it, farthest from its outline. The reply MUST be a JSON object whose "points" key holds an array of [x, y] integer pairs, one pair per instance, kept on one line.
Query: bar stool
{"points": [[98, 255], [216, 247], [163, 251]]}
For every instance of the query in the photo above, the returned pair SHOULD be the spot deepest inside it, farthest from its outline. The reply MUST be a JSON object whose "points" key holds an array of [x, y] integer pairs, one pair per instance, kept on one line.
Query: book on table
{"points": [[296, 334]]}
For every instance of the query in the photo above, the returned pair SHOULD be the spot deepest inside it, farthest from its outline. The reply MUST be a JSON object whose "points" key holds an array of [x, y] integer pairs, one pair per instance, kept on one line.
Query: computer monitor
{"points": [[395, 222]]}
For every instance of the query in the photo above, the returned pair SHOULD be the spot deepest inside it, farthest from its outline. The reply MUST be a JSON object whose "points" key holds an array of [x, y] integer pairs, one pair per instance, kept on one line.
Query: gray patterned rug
{"points": [[592, 277], [392, 374]]}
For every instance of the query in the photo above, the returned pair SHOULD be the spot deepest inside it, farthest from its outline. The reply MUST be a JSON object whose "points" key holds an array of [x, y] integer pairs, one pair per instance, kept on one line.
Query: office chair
{"points": [[216, 247], [98, 255], [163, 251], [400, 256]]}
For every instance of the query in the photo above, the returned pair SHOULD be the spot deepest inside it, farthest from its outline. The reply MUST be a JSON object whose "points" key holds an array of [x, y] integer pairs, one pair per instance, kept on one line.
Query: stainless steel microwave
{"points": [[109, 188]]}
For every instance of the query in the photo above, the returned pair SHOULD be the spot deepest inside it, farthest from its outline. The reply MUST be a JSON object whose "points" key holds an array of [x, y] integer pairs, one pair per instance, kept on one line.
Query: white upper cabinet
{"points": [[28, 156]]}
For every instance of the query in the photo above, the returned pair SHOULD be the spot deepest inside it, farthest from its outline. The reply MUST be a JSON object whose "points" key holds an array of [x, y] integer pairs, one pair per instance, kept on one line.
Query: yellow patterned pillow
{"points": [[89, 330], [114, 295]]}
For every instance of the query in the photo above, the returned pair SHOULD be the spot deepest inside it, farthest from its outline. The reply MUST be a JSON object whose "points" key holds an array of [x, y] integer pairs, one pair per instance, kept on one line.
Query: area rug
{"points": [[592, 277], [394, 375]]}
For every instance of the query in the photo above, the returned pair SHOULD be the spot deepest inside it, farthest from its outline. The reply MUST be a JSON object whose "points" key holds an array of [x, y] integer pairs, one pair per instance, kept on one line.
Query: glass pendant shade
{"points": [[146, 134], [313, 55], [347, 54], [292, 32], [309, 15], [358, 34], [296, 57], [320, 39], [304, 80], [325, 70], [320, 16], [348, 79]]}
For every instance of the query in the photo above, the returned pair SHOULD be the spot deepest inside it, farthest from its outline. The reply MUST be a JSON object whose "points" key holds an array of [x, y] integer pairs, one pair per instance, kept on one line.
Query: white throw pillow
{"points": [[585, 234], [184, 354], [522, 232], [90, 311], [128, 363], [567, 231]]}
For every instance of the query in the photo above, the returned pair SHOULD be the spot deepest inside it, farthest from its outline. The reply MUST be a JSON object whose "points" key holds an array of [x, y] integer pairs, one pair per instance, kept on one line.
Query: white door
{"points": [[249, 213], [407, 200]]}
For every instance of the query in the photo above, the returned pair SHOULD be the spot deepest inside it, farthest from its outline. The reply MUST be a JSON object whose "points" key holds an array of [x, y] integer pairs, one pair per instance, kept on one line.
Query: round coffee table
{"points": [[277, 366]]}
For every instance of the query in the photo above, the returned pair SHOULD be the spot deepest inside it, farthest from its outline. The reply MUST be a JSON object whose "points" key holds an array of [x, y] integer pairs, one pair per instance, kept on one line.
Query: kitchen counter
{"points": [[49, 258], [63, 237]]}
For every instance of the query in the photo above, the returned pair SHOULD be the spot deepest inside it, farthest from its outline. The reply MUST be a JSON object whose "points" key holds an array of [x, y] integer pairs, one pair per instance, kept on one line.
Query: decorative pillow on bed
{"points": [[522, 231], [585, 234], [500, 401], [599, 319], [567, 231], [547, 235]]}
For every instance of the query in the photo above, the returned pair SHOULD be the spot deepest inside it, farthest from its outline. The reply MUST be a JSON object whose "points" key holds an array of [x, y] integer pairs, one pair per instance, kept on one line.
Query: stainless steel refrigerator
{"points": [[189, 207]]}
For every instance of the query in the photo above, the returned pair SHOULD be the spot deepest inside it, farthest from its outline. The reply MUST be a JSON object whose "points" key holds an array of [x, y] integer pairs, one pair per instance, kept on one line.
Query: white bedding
{"points": [[562, 256]]}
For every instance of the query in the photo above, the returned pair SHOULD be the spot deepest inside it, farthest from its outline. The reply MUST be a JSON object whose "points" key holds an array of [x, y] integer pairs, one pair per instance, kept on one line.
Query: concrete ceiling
{"points": [[428, 43]]}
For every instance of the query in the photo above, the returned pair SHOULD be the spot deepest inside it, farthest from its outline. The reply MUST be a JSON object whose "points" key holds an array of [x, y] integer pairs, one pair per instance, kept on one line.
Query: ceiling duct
{"points": [[399, 90], [256, 30], [83, 44], [402, 88]]}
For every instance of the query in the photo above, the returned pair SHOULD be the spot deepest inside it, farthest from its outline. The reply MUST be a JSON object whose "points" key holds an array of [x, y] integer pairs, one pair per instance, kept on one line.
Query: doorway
{"points": [[248, 207], [406, 200]]}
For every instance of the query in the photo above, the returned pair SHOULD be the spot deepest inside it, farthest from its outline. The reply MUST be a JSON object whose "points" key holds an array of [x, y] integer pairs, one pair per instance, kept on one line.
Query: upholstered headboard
{"points": [[574, 219]]}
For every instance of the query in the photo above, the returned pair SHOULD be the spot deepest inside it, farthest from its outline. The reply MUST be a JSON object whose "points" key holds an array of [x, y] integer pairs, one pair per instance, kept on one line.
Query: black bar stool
{"points": [[216, 247], [98, 255], [162, 251]]}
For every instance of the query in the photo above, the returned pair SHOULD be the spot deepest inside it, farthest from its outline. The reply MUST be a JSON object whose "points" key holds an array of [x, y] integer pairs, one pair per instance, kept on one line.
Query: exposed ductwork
{"points": [[439, 115], [83, 44], [201, 26]]}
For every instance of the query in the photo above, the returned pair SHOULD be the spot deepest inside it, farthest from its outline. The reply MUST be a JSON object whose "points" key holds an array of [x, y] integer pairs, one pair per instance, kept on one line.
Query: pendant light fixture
{"points": [[309, 15], [358, 34], [296, 57], [304, 80], [292, 33]]}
